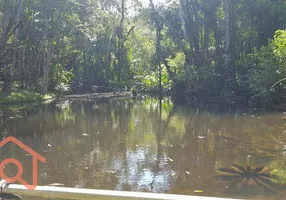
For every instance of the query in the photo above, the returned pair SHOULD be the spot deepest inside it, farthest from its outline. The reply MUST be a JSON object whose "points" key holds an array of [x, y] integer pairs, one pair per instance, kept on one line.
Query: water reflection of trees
{"points": [[144, 145]]}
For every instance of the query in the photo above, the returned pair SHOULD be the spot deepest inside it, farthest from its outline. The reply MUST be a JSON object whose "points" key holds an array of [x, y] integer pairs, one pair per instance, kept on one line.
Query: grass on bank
{"points": [[23, 96]]}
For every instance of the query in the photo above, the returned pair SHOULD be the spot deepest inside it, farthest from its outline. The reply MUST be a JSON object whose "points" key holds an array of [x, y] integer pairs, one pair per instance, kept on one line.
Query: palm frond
{"points": [[228, 171], [247, 176], [227, 177], [238, 168], [258, 169]]}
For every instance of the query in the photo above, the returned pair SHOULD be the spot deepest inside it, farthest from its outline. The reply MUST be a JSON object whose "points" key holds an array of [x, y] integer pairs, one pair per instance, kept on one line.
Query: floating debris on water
{"points": [[56, 184], [110, 172]]}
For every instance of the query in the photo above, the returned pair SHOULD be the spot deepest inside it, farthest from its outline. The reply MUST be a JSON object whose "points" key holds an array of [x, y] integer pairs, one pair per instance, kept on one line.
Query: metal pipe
{"points": [[80, 194]]}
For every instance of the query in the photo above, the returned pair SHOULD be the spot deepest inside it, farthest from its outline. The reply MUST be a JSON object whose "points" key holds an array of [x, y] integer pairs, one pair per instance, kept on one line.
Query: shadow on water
{"points": [[146, 144], [250, 180], [217, 106]]}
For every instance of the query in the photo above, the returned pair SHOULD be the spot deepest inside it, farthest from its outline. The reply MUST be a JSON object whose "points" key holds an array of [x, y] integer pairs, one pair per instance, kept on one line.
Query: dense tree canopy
{"points": [[218, 49]]}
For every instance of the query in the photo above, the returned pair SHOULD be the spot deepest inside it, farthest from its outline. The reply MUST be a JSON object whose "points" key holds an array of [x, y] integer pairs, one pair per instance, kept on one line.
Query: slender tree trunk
{"points": [[227, 11], [23, 68], [195, 35], [48, 52], [218, 41], [230, 47], [37, 65], [190, 18], [11, 22], [206, 43], [158, 50], [76, 71], [120, 49], [168, 67], [86, 73], [107, 66], [159, 27], [8, 81]]}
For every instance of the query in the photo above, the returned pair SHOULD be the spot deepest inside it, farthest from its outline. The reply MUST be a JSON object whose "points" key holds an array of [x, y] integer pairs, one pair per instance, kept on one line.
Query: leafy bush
{"points": [[266, 72], [63, 80], [150, 82], [21, 96], [62, 89]]}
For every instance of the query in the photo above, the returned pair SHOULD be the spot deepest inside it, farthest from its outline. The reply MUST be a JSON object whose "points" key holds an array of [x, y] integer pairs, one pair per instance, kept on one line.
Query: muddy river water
{"points": [[143, 145]]}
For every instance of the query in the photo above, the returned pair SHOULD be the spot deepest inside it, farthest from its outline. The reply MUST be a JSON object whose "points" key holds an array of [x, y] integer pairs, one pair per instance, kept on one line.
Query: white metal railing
{"points": [[80, 194]]}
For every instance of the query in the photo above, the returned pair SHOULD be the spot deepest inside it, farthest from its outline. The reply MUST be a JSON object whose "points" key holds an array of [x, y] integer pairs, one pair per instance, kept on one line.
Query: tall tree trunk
{"points": [[8, 81], [23, 68], [205, 47], [48, 52], [120, 48], [86, 72], [76, 71], [159, 27], [107, 74], [168, 67], [158, 50], [230, 47], [191, 22], [10, 23], [195, 34]]}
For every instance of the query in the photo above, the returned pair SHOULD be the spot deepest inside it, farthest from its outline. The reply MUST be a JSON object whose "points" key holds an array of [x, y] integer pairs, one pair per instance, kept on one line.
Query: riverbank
{"points": [[21, 100], [97, 95], [23, 96]]}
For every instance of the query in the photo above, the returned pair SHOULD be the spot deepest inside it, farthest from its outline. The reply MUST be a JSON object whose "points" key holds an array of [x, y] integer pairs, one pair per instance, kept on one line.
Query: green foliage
{"points": [[208, 49], [63, 76], [22, 96], [279, 46], [150, 82], [265, 69], [62, 89], [177, 63]]}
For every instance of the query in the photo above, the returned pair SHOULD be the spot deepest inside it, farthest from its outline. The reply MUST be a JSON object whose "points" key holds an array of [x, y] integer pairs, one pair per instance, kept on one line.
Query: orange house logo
{"points": [[18, 177]]}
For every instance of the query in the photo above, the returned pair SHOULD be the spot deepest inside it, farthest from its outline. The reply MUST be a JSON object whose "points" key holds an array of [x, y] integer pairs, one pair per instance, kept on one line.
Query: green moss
{"points": [[23, 96], [279, 176]]}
